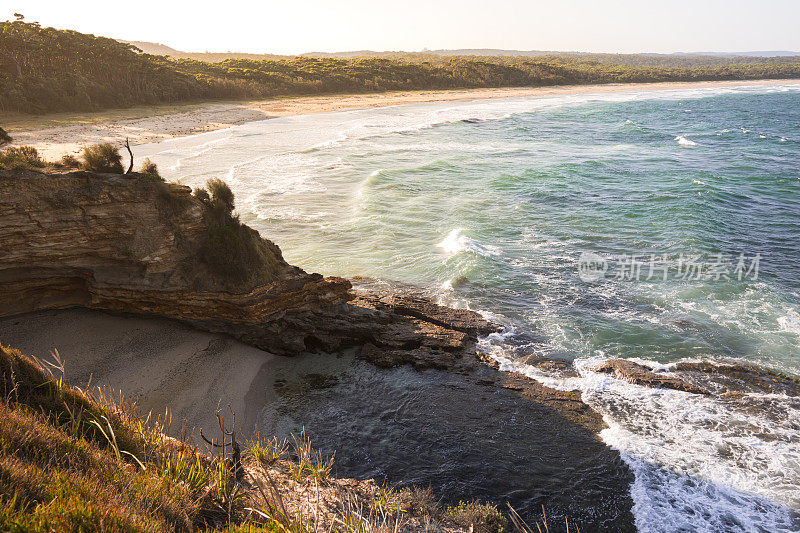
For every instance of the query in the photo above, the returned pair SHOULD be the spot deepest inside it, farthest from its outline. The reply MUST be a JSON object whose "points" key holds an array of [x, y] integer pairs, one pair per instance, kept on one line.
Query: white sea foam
{"points": [[456, 242], [701, 464], [790, 322], [683, 141]]}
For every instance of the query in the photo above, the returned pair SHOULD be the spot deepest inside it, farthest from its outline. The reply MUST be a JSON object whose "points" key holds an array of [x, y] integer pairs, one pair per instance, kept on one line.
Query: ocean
{"points": [[657, 226]]}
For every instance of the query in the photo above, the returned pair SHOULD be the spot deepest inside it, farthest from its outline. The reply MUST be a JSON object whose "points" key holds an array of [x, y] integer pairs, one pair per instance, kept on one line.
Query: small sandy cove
{"points": [[59, 134], [161, 364]]}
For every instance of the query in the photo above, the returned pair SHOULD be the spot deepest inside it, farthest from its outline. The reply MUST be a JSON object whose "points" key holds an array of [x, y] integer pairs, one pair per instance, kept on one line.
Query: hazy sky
{"points": [[294, 26]]}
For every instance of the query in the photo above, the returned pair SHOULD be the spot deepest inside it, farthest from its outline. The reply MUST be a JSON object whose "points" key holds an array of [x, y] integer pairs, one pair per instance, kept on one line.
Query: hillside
{"points": [[84, 460], [48, 70]]}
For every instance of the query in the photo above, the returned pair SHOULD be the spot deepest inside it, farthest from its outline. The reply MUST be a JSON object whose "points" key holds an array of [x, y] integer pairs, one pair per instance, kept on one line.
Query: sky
{"points": [[296, 26]]}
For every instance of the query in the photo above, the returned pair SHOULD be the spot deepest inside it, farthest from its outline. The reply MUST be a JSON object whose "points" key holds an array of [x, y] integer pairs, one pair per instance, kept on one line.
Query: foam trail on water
{"points": [[683, 141], [701, 464], [456, 242]]}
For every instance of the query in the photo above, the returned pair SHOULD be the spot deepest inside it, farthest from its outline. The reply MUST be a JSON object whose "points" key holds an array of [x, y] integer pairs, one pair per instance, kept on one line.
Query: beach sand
{"points": [[161, 364], [59, 134]]}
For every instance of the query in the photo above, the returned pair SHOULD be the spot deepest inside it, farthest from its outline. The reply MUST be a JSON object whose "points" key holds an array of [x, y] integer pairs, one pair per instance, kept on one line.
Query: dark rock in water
{"points": [[739, 379], [641, 375], [462, 320]]}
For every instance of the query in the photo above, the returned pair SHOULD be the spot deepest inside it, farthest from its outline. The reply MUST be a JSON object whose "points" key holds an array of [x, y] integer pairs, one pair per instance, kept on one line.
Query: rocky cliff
{"points": [[134, 244]]}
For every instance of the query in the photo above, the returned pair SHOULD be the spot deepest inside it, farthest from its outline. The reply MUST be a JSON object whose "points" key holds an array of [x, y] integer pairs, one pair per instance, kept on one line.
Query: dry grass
{"points": [[83, 460]]}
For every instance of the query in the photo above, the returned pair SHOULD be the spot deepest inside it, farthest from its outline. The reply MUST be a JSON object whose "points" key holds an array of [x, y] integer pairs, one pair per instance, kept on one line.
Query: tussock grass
{"points": [[102, 157], [266, 451], [479, 517], [21, 157], [309, 461], [231, 250], [83, 460]]}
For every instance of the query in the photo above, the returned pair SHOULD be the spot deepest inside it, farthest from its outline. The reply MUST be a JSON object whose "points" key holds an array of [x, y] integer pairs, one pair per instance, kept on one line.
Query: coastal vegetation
{"points": [[21, 157], [83, 460], [231, 248], [48, 70], [103, 157]]}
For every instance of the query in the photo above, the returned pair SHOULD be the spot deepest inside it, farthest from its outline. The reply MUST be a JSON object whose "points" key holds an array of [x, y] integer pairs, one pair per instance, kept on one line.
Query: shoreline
{"points": [[66, 133]]}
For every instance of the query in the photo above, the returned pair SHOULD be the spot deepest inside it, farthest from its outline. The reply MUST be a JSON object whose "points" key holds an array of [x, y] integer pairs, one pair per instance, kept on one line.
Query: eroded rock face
{"points": [[130, 244]]}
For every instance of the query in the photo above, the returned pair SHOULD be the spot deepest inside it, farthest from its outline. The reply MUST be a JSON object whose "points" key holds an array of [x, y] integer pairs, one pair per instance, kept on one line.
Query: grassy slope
{"points": [[73, 460]]}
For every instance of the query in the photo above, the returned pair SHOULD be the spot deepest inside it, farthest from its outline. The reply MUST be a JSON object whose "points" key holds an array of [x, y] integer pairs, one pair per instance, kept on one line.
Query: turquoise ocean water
{"points": [[687, 201]]}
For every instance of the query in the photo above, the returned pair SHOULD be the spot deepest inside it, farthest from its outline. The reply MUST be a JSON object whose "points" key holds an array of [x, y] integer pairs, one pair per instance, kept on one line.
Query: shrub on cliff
{"points": [[478, 517], [103, 157], [150, 170], [69, 161], [22, 157], [5, 138], [222, 198], [231, 249], [201, 194]]}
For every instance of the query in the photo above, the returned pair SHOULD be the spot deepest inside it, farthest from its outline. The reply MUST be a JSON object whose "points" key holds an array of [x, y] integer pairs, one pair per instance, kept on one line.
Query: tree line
{"points": [[48, 70]]}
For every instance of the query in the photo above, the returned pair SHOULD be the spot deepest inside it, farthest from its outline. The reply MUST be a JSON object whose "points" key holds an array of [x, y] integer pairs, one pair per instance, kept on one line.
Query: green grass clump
{"points": [[479, 517], [266, 452], [103, 157], [22, 157], [309, 461], [70, 161], [150, 170], [231, 250]]}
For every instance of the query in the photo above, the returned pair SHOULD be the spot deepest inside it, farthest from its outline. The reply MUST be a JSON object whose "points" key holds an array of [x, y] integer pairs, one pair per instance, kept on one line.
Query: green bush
{"points": [[202, 195], [70, 161], [20, 158], [222, 198], [103, 157], [478, 517], [230, 251], [149, 169]]}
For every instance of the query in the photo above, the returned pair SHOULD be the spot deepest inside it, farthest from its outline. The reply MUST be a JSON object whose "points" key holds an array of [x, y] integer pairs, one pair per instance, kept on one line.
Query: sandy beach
{"points": [[59, 134], [160, 364]]}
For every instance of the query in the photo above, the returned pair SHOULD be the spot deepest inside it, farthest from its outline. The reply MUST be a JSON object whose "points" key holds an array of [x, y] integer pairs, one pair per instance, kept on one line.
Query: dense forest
{"points": [[47, 70]]}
